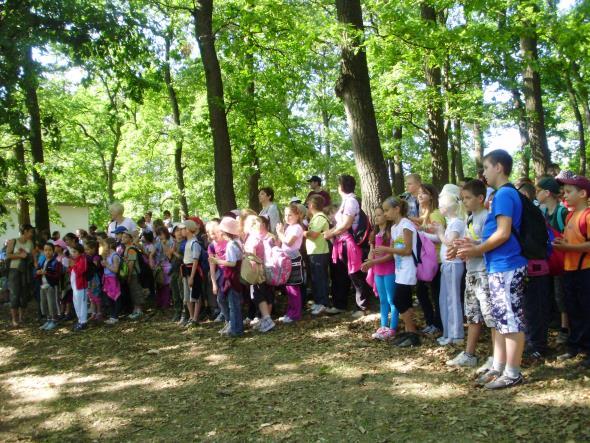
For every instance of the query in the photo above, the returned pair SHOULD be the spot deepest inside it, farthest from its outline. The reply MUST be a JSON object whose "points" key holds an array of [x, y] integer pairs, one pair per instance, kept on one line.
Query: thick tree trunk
{"points": [[534, 104], [225, 196], [398, 171], [22, 202], [582, 93], [452, 151], [579, 123], [179, 139], [478, 144], [354, 89], [437, 136], [457, 136], [30, 84]]}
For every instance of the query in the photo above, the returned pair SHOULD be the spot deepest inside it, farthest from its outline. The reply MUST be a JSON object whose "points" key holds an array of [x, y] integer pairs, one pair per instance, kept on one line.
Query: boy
{"points": [[49, 273], [131, 257], [477, 291], [576, 280], [413, 183], [506, 272], [192, 279]]}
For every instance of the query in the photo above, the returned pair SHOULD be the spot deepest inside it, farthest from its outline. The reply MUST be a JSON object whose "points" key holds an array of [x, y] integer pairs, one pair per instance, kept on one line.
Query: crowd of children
{"points": [[498, 259]]}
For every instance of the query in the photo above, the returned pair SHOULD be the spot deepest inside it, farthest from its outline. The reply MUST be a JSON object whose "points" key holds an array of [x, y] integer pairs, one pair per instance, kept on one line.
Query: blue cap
{"points": [[119, 230]]}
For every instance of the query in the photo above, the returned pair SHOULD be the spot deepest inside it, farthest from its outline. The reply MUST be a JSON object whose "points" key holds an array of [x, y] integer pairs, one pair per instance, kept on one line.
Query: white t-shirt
{"points": [[272, 212], [293, 231], [127, 222], [453, 225], [350, 207], [192, 251], [405, 267], [473, 230]]}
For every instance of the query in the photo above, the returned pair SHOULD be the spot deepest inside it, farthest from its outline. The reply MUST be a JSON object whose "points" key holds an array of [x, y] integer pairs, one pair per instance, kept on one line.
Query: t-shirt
{"points": [[131, 259], [293, 231], [272, 212], [574, 236], [350, 207], [455, 225], [192, 251], [413, 206], [558, 218], [474, 231], [388, 267], [318, 223], [323, 194], [127, 223], [405, 267], [507, 256], [254, 245], [233, 251]]}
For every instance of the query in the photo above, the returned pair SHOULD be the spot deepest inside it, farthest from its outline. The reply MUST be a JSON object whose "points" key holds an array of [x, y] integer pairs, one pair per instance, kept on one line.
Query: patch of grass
{"points": [[319, 380]]}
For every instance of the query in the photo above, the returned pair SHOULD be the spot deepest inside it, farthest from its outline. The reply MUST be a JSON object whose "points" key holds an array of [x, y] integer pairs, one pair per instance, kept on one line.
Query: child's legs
{"points": [[319, 277], [445, 289], [390, 292], [577, 300], [403, 303], [537, 308], [115, 306], [186, 294], [293, 302], [51, 303], [473, 333], [473, 311], [383, 301], [235, 311], [43, 302], [80, 305], [454, 309]]}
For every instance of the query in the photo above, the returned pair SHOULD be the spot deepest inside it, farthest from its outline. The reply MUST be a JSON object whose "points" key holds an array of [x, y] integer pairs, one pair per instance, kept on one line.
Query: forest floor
{"points": [[319, 380]]}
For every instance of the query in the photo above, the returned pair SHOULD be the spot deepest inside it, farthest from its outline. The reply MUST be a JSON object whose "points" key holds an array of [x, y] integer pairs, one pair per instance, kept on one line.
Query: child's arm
{"points": [[498, 238], [229, 264], [406, 250], [561, 244]]}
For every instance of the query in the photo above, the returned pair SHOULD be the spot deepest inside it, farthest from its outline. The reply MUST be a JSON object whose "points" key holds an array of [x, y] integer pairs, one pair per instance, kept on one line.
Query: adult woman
{"points": [[20, 273], [270, 210], [117, 219]]}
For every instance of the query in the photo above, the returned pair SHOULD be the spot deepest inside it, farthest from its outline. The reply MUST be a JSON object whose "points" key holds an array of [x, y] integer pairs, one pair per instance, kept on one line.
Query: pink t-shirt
{"points": [[218, 248], [293, 231], [254, 245], [386, 268]]}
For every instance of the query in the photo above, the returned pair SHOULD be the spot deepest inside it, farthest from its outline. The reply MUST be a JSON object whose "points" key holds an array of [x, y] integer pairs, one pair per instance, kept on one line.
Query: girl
{"points": [[403, 247], [175, 255], [451, 271], [163, 263], [63, 256], [291, 238], [110, 280], [130, 256], [79, 286], [217, 246], [49, 273], [94, 280], [192, 275], [230, 230], [429, 217], [384, 271]]}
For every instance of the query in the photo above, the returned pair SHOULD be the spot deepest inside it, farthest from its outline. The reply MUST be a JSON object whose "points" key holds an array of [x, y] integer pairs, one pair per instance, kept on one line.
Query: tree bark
{"points": [[579, 123], [437, 136], [398, 171], [457, 136], [178, 138], [254, 176], [354, 89], [30, 85], [225, 196], [478, 144], [327, 146], [22, 202], [452, 152], [582, 93], [534, 104]]}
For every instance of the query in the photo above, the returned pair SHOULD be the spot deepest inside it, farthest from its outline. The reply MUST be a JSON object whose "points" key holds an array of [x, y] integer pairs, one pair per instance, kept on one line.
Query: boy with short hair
{"points": [[413, 183], [576, 245], [507, 270], [192, 277], [477, 291]]}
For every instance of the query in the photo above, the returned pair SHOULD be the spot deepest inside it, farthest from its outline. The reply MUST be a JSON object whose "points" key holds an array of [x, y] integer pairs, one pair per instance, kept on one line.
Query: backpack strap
{"points": [[560, 219], [417, 259], [583, 226]]}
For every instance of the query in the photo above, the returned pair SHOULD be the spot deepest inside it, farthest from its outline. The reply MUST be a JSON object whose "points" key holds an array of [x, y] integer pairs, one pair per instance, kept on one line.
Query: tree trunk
{"points": [[354, 89], [579, 123], [179, 139], [254, 176], [534, 104], [225, 196], [22, 202], [457, 135], [327, 146], [452, 151], [30, 84], [437, 136], [478, 144], [582, 92], [398, 171]]}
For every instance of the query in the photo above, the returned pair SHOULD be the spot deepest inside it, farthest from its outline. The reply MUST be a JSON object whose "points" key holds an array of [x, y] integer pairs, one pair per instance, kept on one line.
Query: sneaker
{"points": [[175, 318], [567, 356], [266, 325], [44, 326], [427, 329], [378, 335], [51, 326], [286, 319], [358, 314], [313, 306], [504, 381], [533, 355], [225, 329], [463, 360], [409, 341], [389, 334], [399, 338], [562, 337], [434, 331], [457, 341], [443, 341], [333, 311], [191, 324], [111, 321], [181, 321], [487, 377], [255, 323], [247, 321], [136, 315], [486, 366], [219, 318], [80, 327], [319, 309]]}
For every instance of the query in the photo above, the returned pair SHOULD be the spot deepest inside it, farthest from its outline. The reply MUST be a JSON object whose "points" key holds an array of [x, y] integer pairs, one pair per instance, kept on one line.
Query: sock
{"points": [[498, 367], [512, 371], [469, 355]]}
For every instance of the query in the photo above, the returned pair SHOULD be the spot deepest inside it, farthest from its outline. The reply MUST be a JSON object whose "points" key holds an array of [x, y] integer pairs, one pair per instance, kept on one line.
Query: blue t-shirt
{"points": [[508, 256]]}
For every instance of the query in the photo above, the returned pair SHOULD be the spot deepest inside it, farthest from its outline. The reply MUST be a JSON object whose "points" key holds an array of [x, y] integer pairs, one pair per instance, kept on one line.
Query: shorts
{"points": [[136, 290], [262, 293], [506, 299], [477, 299], [19, 291], [193, 294], [403, 297]]}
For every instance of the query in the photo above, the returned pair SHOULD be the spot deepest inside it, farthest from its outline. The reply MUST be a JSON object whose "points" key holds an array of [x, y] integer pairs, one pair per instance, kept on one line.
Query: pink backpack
{"points": [[427, 261], [279, 269]]}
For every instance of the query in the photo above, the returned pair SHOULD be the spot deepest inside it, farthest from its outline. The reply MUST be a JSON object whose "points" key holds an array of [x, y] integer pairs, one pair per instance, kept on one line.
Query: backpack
{"points": [[91, 269], [145, 274], [425, 258], [533, 236], [203, 258], [277, 274], [252, 270], [363, 230], [583, 226], [556, 257]]}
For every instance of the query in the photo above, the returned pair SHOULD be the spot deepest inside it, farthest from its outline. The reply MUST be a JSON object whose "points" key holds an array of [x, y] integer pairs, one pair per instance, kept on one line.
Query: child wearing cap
{"points": [[576, 245], [192, 276]]}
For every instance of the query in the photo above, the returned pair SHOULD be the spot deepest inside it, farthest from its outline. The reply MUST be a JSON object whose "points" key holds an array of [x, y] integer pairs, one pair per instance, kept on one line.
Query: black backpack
{"points": [[533, 236], [363, 230], [145, 274], [91, 269]]}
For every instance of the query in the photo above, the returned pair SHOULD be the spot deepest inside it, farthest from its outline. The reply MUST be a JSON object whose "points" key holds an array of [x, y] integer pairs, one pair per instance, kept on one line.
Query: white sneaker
{"points": [[219, 318], [255, 323], [247, 321], [334, 311], [266, 324], [319, 309], [444, 341], [42, 328], [463, 360], [225, 329], [111, 321], [286, 319], [486, 366], [313, 307]]}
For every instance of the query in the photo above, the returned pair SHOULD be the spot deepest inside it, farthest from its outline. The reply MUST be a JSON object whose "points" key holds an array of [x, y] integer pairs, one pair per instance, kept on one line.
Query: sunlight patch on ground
{"points": [[328, 333], [286, 367], [216, 359], [6, 354], [276, 380], [427, 390], [34, 388], [554, 397]]}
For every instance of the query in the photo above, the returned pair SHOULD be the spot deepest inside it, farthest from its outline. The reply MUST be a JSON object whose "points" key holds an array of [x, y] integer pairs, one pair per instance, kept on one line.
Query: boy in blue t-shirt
{"points": [[506, 272]]}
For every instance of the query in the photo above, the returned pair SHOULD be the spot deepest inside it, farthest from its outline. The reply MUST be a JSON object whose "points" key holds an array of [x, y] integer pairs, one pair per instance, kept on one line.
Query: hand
{"points": [[467, 250], [451, 253], [40, 272], [214, 288], [328, 235], [366, 265], [560, 244], [212, 260], [280, 228], [22, 254]]}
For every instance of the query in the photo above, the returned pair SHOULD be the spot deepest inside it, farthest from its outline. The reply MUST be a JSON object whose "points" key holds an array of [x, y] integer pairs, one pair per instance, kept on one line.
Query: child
{"points": [[64, 304], [452, 269], [131, 257], [384, 271], [506, 273], [291, 238], [94, 281], [477, 290], [79, 286], [175, 255], [576, 244], [192, 278], [217, 245], [404, 244], [162, 262], [318, 252], [110, 280], [49, 273], [230, 229]]}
